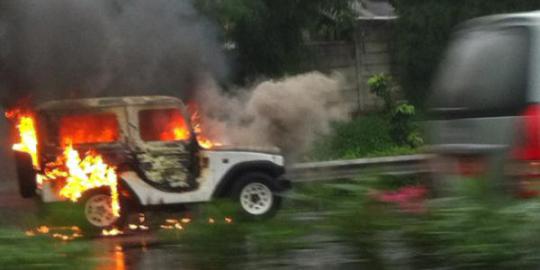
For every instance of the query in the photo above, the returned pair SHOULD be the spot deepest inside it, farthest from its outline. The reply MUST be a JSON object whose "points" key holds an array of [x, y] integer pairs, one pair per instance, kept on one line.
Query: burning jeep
{"points": [[117, 155]]}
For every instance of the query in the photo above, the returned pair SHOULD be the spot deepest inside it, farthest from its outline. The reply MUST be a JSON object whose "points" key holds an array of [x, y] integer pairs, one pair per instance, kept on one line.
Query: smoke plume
{"points": [[86, 48], [59, 49], [287, 113]]}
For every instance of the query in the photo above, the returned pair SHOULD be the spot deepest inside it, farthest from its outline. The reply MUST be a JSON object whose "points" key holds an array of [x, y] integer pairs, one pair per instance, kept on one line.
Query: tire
{"points": [[255, 194], [97, 211], [26, 175]]}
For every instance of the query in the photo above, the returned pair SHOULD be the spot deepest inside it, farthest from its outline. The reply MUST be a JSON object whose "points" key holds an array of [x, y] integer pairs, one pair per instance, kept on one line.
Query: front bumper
{"points": [[283, 184]]}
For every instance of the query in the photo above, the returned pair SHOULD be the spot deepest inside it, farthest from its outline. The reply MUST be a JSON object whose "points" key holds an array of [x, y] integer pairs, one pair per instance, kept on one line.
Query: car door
{"points": [[164, 148]]}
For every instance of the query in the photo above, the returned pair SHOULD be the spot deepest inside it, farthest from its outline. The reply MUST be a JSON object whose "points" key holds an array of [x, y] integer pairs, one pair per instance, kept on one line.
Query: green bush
{"points": [[365, 136], [403, 129], [382, 86]]}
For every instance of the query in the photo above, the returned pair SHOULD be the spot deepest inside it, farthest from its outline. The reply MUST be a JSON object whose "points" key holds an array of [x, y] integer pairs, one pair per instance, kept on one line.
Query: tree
{"points": [[268, 34], [424, 28]]}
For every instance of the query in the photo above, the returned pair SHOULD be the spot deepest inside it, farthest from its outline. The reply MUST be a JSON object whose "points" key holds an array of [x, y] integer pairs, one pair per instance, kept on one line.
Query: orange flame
{"points": [[176, 128], [90, 171], [89, 128], [111, 232], [203, 140], [62, 233], [80, 174], [170, 125], [27, 141]]}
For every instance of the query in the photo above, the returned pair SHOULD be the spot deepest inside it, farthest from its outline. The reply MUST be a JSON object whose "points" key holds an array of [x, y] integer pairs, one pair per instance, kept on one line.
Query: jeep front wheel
{"points": [[255, 193]]}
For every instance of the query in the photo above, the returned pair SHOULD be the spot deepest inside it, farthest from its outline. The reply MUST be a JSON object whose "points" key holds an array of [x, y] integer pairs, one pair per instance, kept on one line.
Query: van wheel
{"points": [[98, 212], [255, 194]]}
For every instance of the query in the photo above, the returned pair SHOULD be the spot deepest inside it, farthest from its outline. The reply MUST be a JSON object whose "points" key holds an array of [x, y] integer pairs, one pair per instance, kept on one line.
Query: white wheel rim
{"points": [[98, 211], [256, 198]]}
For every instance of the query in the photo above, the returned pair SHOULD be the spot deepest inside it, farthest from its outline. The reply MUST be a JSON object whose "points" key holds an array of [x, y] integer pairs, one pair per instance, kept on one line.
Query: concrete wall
{"points": [[369, 53], [338, 56]]}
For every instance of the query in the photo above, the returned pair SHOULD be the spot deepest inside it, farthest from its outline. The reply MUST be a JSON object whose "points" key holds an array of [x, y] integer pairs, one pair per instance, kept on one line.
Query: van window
{"points": [[88, 128], [163, 125], [484, 74]]}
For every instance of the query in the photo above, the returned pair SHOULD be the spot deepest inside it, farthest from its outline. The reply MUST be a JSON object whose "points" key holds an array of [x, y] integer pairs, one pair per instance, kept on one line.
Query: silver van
{"points": [[485, 104]]}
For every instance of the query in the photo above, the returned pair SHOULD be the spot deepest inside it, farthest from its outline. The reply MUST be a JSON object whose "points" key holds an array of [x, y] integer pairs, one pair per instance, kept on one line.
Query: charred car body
{"points": [[154, 149]]}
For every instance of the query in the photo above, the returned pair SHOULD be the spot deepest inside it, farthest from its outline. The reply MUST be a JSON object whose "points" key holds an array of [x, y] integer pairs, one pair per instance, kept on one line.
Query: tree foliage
{"points": [[268, 34], [424, 27]]}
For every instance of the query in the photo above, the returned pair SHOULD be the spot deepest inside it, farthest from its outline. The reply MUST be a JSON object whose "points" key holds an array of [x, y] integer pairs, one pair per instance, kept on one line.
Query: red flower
{"points": [[410, 199]]}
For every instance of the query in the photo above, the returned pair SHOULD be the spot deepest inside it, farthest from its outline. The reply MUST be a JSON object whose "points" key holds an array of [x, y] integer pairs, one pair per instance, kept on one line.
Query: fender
{"points": [[226, 183], [127, 194]]}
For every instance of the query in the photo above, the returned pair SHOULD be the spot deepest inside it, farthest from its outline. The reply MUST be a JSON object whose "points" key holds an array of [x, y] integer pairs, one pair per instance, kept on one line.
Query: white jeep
{"points": [[158, 160]]}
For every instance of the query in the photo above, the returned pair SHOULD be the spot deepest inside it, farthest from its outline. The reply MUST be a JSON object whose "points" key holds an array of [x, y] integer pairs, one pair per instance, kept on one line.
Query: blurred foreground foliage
{"points": [[423, 29], [385, 221], [388, 222], [474, 228]]}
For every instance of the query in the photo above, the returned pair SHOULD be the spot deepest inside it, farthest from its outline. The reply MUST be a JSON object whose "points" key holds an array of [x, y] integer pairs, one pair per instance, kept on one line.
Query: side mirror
{"points": [[26, 174]]}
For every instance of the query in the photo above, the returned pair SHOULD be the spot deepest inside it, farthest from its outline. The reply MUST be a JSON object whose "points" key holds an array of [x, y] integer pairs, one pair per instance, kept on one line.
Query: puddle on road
{"points": [[153, 251], [148, 254]]}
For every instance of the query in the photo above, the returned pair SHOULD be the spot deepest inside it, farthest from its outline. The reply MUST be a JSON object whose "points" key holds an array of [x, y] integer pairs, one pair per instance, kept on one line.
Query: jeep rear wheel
{"points": [[98, 210], [255, 194], [26, 174]]}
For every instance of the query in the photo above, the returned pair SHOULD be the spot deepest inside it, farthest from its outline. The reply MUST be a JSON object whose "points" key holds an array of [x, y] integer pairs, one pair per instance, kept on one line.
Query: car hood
{"points": [[259, 149]]}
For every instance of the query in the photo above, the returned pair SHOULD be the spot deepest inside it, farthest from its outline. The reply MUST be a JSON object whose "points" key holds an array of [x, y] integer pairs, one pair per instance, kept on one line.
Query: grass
{"points": [[41, 250], [365, 136], [19, 251]]}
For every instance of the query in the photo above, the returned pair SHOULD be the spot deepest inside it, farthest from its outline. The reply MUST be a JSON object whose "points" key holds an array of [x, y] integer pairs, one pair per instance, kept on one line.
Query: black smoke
{"points": [[89, 48]]}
